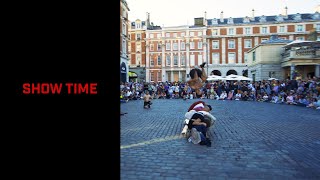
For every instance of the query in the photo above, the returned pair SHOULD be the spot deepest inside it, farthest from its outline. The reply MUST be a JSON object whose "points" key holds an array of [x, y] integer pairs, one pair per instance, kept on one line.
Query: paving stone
{"points": [[250, 140]]}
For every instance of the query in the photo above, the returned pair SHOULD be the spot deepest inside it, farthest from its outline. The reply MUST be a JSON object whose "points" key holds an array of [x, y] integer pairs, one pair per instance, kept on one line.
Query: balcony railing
{"points": [[301, 53]]}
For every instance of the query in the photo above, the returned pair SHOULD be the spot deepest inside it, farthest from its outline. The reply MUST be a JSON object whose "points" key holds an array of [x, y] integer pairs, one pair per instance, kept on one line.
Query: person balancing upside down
{"points": [[198, 79]]}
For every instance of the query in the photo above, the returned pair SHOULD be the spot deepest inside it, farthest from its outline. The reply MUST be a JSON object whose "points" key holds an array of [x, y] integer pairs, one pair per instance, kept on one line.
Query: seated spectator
{"points": [[302, 101], [289, 99], [223, 95], [230, 95], [265, 97], [274, 99], [238, 96], [245, 96]]}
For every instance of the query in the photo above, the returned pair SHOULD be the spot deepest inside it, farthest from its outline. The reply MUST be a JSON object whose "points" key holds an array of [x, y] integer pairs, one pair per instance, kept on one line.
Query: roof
{"points": [[300, 43], [267, 19]]}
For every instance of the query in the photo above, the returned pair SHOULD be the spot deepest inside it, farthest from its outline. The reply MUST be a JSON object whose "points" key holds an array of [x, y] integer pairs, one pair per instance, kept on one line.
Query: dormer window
{"points": [[316, 15], [215, 21], [297, 17], [279, 18], [209, 22], [230, 20], [262, 19], [138, 26], [246, 19]]}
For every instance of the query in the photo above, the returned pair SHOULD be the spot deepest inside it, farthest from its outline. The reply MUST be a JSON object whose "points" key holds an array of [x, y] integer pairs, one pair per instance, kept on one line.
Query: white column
{"points": [[171, 76], [223, 48], [317, 71], [204, 46], [256, 41], [179, 63], [187, 57], [147, 63], [239, 50], [163, 71]]}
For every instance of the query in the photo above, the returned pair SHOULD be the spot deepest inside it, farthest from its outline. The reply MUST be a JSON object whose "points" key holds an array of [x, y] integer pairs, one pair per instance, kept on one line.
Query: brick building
{"points": [[124, 58], [170, 52]]}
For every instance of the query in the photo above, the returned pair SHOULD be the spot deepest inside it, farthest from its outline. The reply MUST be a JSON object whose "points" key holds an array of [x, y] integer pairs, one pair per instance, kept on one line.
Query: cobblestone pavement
{"points": [[250, 140]]}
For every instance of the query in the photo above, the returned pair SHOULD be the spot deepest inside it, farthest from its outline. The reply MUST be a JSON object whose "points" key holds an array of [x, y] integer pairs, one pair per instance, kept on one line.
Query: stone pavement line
{"points": [[250, 141], [153, 141]]}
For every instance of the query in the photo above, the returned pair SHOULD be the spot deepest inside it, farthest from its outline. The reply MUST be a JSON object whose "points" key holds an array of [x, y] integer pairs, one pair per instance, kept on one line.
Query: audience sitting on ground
{"points": [[303, 92]]}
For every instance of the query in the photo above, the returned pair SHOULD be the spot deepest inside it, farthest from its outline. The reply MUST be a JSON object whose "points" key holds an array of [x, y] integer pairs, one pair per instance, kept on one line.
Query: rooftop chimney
{"points": [[252, 16], [205, 18], [221, 16], [285, 11]]}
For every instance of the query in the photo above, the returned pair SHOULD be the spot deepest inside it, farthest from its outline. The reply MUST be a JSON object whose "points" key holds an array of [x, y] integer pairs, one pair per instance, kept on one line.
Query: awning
{"points": [[132, 74]]}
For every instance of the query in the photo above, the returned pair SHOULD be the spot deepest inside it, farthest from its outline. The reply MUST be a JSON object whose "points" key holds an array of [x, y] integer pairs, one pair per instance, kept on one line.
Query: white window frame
{"points": [[301, 38], [191, 33], [168, 60], [229, 53], [159, 76], [245, 43], [168, 46], [138, 36], [182, 59], [192, 59], [317, 27], [213, 43], [215, 34], [138, 59], [200, 59], [199, 33], [151, 47], [124, 29], [183, 34], [245, 57], [124, 49], [298, 29], [247, 28], [138, 47], [183, 45], [151, 35], [175, 46], [231, 31], [167, 35], [229, 44], [264, 28], [175, 34], [159, 35], [159, 49], [151, 61], [138, 25], [284, 29], [199, 44], [191, 45], [175, 59], [214, 60], [159, 59]]}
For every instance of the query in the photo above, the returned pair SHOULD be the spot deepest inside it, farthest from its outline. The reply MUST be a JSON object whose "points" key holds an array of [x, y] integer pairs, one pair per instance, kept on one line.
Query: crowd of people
{"points": [[293, 92]]}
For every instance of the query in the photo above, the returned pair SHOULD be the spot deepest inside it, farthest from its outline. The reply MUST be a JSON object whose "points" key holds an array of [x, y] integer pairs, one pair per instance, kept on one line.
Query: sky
{"points": [[182, 12]]}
